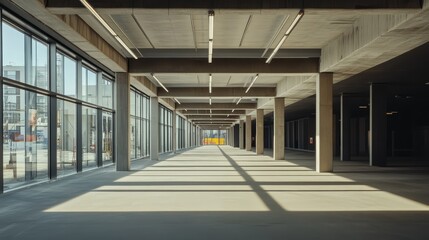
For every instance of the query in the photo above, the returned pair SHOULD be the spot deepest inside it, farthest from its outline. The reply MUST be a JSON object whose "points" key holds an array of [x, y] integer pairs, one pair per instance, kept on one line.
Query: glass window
{"points": [[24, 62], [89, 85], [39, 64], [89, 137], [25, 121], [13, 53], [106, 92], [107, 141], [66, 75], [66, 138]]}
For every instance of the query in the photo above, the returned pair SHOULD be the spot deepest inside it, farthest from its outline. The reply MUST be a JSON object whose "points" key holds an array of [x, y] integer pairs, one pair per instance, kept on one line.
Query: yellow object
{"points": [[213, 141]]}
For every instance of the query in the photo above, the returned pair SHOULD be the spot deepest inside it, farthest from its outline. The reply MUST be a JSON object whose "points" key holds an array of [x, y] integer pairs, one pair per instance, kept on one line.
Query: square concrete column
{"points": [[232, 136], [240, 135], [377, 125], [279, 129], [174, 133], [122, 122], [154, 129], [324, 125], [345, 128], [260, 131], [248, 133]]}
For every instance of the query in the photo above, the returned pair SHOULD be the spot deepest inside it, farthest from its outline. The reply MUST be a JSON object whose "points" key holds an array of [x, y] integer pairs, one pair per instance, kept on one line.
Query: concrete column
{"points": [[174, 133], [345, 128], [377, 125], [248, 133], [154, 129], [240, 135], [279, 129], [122, 122], [324, 128], [260, 131], [232, 136]]}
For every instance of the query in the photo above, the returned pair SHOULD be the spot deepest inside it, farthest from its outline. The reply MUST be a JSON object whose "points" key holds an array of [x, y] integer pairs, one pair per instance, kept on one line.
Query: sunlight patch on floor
{"points": [[331, 201], [140, 201]]}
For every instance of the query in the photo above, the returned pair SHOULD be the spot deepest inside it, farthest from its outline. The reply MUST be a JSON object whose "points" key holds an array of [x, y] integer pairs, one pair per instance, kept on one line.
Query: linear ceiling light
{"points": [[291, 27], [210, 83], [253, 81], [210, 101], [177, 100], [239, 100], [105, 25], [159, 82], [233, 110], [211, 30]]}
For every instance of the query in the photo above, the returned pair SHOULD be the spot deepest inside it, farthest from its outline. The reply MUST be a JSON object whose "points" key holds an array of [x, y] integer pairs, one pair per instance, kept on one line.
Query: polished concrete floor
{"points": [[221, 192]]}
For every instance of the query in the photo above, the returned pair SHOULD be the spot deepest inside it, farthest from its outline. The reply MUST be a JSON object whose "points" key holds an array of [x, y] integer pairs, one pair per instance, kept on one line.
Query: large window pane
{"points": [[106, 93], [89, 137], [66, 75], [13, 53], [89, 85], [39, 64], [25, 155], [107, 149], [66, 138]]}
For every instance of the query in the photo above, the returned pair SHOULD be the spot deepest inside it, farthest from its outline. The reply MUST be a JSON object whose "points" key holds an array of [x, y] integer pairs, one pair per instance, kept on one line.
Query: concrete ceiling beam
{"points": [[204, 117], [213, 112], [218, 106], [223, 65], [62, 5], [198, 92]]}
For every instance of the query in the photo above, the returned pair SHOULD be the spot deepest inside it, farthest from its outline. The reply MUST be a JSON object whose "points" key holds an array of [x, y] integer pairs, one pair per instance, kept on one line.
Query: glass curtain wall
{"points": [[66, 138], [214, 137], [180, 125], [139, 126], [35, 109], [165, 129]]}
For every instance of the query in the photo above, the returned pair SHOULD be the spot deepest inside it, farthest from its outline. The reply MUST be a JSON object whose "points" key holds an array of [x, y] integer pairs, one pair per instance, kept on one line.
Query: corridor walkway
{"points": [[222, 192]]}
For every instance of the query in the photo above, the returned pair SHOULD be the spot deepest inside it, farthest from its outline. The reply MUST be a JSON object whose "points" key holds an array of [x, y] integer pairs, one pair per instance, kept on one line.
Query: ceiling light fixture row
{"points": [[238, 101], [286, 35], [253, 81], [107, 27], [210, 83], [159, 82], [177, 100], [211, 30]]}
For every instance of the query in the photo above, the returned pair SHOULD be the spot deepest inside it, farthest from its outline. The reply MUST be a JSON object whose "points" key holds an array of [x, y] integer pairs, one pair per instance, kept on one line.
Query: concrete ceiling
{"points": [[346, 35]]}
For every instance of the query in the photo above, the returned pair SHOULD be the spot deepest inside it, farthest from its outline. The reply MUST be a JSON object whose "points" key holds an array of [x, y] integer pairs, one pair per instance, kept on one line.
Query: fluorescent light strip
{"points": [[233, 110], [126, 47], [108, 28], [177, 100], [239, 100], [211, 24], [295, 21], [210, 111], [211, 33], [210, 83], [210, 101], [159, 82], [291, 27], [99, 18], [253, 81]]}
